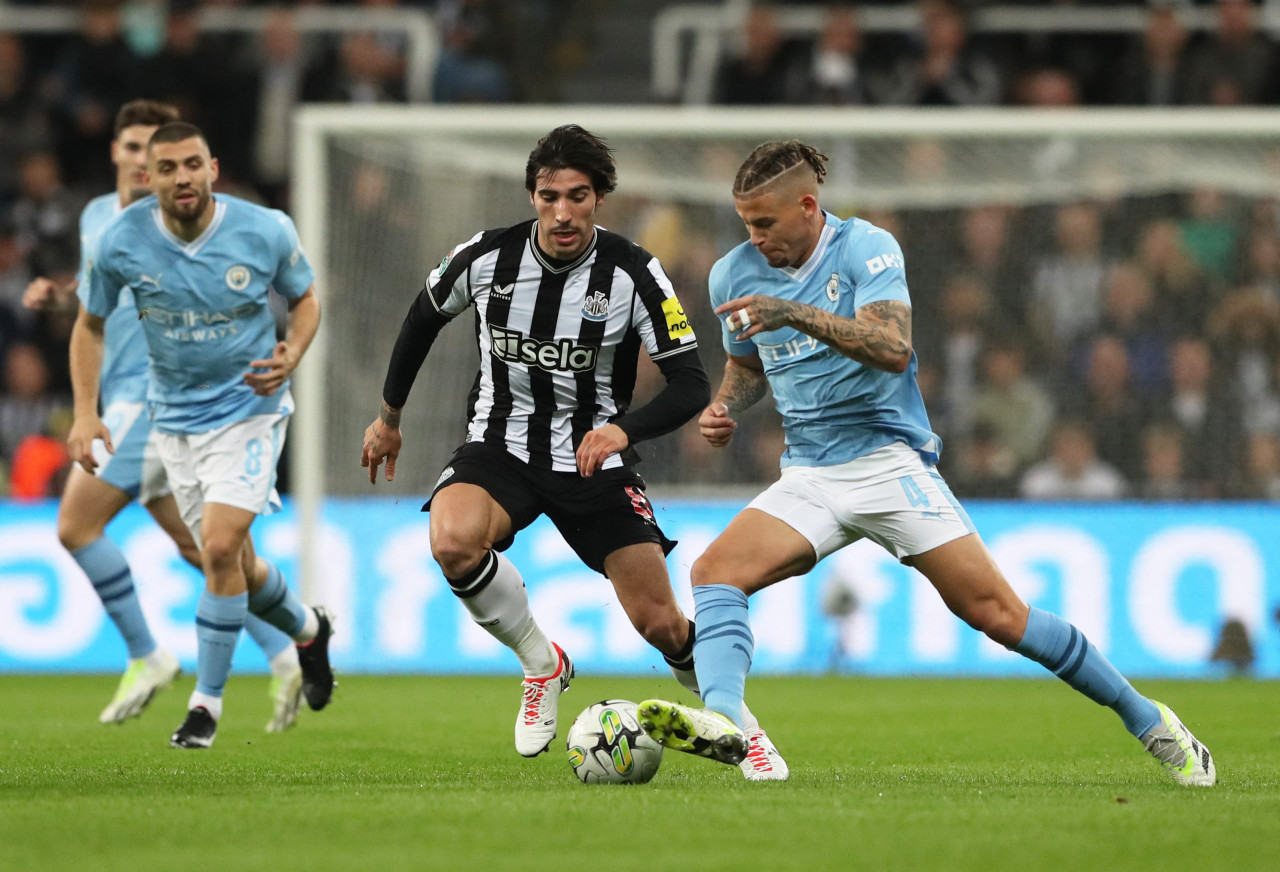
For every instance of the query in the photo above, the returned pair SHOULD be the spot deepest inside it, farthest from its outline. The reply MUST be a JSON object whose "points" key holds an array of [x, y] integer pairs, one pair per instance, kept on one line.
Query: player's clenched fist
{"points": [[716, 426]]}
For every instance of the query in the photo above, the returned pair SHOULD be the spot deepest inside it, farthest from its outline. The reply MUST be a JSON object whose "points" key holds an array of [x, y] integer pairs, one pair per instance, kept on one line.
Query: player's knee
{"points": [[997, 619], [663, 628], [456, 555], [75, 535], [222, 551], [709, 569]]}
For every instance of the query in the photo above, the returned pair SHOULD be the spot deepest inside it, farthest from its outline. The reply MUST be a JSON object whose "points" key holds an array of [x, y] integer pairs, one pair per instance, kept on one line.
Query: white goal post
{"points": [[441, 174]]}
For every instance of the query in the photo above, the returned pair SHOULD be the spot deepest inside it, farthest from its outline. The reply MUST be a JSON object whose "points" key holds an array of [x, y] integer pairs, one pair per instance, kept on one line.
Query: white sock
{"points": [[501, 606], [286, 661], [688, 679], [310, 626], [212, 703]]}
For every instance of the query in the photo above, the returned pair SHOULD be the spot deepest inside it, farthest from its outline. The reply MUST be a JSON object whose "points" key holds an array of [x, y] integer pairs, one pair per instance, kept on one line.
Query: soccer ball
{"points": [[607, 746]]}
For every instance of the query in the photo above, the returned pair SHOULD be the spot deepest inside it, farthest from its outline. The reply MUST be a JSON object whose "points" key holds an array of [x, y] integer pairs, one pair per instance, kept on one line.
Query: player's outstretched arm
{"points": [[46, 294], [880, 335], [268, 375], [86, 370], [382, 441], [743, 386]]}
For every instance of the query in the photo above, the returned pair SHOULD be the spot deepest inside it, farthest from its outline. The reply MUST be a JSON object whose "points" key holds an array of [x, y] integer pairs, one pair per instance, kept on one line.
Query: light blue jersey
{"points": [[202, 304], [833, 408], [124, 355]]}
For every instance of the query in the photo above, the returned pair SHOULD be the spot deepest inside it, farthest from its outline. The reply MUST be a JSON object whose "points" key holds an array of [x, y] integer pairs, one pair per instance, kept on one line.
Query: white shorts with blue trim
{"points": [[234, 465], [890, 496], [134, 468]]}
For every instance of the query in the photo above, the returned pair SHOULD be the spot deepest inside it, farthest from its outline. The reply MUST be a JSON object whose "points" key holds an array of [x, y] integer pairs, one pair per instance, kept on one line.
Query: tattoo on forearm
{"points": [[389, 416], [742, 388], [880, 333]]}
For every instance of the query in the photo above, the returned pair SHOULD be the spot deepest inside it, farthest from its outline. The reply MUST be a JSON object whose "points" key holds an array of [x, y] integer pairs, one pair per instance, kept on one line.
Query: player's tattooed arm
{"points": [[744, 384], [389, 416], [879, 335]]}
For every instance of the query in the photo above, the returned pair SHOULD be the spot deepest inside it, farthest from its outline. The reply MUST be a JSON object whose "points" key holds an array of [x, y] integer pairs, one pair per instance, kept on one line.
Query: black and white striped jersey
{"points": [[559, 341]]}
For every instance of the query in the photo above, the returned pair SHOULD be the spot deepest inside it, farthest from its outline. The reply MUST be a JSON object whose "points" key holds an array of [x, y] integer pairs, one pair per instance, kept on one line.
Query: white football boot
{"points": [[144, 678], [763, 762], [1186, 759], [539, 706]]}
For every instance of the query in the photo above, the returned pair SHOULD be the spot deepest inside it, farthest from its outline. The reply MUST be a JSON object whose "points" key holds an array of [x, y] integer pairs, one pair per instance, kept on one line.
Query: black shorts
{"points": [[596, 515]]}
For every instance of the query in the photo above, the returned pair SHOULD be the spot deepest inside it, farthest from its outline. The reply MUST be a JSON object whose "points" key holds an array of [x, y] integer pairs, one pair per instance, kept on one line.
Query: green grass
{"points": [[419, 773]]}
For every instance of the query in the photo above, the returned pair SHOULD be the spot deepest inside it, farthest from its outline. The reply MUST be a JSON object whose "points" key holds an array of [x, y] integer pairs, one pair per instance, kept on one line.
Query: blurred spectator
{"points": [[1108, 404], [23, 122], [964, 316], [1234, 65], [1260, 267], [944, 69], [95, 74], [1207, 413], [1128, 313], [26, 406], [195, 72], [41, 462], [1154, 71], [1259, 476], [360, 72], [1066, 288], [1184, 296], [1047, 88], [46, 215], [981, 466], [475, 44], [1209, 231], [762, 68], [987, 250], [1013, 407], [1163, 469], [836, 75], [277, 69], [1245, 330], [1072, 470], [15, 275]]}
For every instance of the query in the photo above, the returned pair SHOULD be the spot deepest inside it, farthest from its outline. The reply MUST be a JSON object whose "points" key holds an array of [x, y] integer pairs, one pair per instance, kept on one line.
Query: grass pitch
{"points": [[418, 773]]}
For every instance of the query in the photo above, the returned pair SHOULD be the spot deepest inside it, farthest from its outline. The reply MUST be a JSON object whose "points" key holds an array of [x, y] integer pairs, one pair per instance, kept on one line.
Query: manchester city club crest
{"points": [[238, 277], [833, 287]]}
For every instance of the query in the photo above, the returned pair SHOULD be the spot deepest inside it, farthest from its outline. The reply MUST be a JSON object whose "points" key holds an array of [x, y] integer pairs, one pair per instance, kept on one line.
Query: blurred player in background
{"points": [[562, 308], [199, 268], [90, 502], [817, 309]]}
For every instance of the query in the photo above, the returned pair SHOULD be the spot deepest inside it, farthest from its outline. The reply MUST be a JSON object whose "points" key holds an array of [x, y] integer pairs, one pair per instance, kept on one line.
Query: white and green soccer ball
{"points": [[607, 746]]}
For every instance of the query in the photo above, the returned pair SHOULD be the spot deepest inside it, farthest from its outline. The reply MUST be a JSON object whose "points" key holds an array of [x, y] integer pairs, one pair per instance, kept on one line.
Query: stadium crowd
{"points": [[1080, 350]]}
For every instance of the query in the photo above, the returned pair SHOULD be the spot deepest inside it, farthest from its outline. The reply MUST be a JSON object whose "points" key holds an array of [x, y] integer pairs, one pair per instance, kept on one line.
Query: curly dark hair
{"points": [[771, 159], [572, 148]]}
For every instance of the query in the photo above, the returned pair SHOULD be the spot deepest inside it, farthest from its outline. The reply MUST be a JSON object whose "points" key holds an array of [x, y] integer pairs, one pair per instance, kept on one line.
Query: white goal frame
{"points": [[314, 124]]}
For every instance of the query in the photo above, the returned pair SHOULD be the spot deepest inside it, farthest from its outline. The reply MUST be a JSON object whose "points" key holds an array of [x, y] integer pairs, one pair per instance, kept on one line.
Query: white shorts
{"points": [[135, 467], [234, 465], [891, 496]]}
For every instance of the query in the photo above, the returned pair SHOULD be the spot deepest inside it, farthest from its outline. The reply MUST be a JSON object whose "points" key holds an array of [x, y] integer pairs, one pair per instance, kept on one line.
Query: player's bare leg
{"points": [[465, 523], [972, 586]]}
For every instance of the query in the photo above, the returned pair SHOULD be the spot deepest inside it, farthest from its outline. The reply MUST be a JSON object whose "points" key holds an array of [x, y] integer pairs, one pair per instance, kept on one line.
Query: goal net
{"points": [[1012, 223]]}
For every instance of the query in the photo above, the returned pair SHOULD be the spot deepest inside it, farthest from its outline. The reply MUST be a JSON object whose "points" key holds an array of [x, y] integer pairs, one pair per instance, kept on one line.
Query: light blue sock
{"points": [[277, 605], [218, 622], [723, 648], [1064, 651], [109, 574], [269, 639]]}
